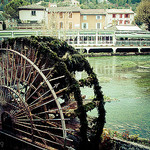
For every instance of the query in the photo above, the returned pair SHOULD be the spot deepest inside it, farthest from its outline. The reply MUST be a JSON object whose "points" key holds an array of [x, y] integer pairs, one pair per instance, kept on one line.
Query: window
{"points": [[33, 13], [114, 15], [126, 22], [84, 25], [98, 25], [120, 21], [61, 15], [61, 25], [120, 15], [70, 15], [70, 25], [84, 17], [98, 17], [127, 16]]}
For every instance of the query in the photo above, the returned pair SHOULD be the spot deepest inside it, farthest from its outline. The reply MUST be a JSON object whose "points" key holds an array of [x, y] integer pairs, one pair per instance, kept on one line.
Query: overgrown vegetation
{"points": [[91, 4], [66, 61], [143, 13], [108, 135]]}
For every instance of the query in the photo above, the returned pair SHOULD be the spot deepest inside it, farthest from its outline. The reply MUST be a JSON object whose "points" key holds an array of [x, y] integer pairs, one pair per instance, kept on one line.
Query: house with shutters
{"points": [[93, 19], [119, 17], [72, 18], [66, 18]]}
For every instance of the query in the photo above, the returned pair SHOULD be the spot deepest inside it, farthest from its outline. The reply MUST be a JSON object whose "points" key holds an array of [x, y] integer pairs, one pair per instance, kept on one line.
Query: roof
{"points": [[64, 9], [128, 27], [92, 11], [32, 7], [128, 11]]}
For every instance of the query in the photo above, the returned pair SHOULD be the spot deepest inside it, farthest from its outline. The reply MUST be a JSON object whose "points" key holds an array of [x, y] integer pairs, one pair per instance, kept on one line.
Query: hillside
{"points": [[87, 4]]}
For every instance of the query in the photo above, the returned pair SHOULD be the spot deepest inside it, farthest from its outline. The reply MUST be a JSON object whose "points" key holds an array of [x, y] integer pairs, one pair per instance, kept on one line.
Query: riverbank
{"points": [[113, 140], [114, 54]]}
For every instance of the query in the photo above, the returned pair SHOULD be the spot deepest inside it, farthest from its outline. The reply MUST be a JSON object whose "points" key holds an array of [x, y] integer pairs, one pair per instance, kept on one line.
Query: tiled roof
{"points": [[92, 11], [119, 11], [64, 9], [33, 7]]}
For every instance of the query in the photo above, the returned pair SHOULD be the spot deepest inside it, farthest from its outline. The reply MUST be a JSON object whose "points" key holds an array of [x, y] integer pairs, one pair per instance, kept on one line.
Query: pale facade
{"points": [[66, 18], [32, 14], [93, 19], [119, 17]]}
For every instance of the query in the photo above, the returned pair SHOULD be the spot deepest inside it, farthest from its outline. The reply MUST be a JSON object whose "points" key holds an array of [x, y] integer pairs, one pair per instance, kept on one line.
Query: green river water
{"points": [[124, 79]]}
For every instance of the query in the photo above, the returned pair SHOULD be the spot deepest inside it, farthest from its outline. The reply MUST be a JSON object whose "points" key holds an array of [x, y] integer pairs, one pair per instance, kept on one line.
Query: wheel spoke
{"points": [[31, 97]]}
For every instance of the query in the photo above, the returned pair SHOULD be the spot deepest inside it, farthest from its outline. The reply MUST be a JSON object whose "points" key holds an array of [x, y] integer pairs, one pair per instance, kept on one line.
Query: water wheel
{"points": [[35, 88]]}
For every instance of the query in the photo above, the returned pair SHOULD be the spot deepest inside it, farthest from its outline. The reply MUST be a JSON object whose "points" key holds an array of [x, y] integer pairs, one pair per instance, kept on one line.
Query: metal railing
{"points": [[133, 43]]}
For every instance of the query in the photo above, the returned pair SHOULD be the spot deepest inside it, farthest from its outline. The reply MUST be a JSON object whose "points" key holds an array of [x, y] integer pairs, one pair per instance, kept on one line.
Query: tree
{"points": [[11, 9], [1, 17], [143, 13]]}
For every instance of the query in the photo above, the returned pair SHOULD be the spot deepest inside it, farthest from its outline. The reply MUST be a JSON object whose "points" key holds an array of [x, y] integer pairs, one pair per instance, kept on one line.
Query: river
{"points": [[128, 84]]}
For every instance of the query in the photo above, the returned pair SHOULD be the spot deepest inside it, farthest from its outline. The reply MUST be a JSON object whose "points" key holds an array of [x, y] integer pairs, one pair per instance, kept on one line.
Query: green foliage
{"points": [[89, 106], [125, 1], [65, 61], [1, 17], [63, 4], [108, 135], [143, 13], [11, 9], [45, 4], [120, 4]]}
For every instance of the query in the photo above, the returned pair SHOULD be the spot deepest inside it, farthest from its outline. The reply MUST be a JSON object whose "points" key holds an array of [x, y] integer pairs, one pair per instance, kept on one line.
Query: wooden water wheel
{"points": [[35, 88]]}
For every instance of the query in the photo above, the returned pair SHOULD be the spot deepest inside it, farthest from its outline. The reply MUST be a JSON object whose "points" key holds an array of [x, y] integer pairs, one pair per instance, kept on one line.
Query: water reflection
{"points": [[130, 85]]}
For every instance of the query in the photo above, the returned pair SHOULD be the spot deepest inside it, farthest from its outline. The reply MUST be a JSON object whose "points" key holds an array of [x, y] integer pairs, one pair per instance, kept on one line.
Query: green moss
{"points": [[65, 60]]}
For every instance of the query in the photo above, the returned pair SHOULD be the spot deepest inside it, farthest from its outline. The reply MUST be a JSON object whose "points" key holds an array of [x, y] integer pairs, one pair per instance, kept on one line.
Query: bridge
{"points": [[93, 40]]}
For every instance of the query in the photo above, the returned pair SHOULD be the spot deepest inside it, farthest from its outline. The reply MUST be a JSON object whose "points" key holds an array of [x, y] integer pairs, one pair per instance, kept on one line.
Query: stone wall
{"points": [[127, 145]]}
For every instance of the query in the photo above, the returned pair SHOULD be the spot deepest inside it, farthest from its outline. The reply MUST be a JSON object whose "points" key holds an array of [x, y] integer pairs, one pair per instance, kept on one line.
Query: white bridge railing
{"points": [[93, 38]]}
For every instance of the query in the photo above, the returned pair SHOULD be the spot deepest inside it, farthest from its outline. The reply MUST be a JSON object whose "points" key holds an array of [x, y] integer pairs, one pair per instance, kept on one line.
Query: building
{"points": [[66, 18], [93, 19], [72, 17], [32, 16], [11, 23], [119, 17]]}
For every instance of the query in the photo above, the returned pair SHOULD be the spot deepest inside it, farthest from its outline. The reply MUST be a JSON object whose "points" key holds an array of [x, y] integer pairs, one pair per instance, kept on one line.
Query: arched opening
{"points": [[145, 49], [127, 50], [99, 50], [6, 120]]}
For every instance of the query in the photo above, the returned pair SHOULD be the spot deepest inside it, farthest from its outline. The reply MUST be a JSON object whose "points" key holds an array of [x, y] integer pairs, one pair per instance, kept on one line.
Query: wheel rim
{"points": [[31, 100]]}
